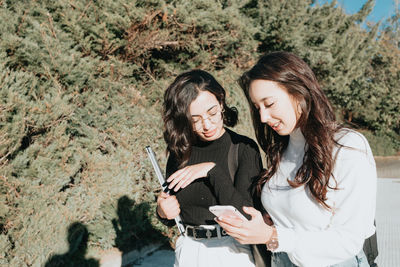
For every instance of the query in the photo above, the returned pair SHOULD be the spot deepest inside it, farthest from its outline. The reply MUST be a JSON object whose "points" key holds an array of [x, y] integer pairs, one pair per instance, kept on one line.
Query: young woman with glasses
{"points": [[198, 144], [320, 183]]}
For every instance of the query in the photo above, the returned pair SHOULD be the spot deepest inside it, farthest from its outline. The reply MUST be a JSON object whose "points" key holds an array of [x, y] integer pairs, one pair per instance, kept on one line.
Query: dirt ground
{"points": [[388, 167]]}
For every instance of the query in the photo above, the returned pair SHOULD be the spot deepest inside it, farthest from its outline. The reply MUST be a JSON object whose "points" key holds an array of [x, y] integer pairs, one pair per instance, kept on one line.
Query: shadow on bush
{"points": [[75, 256], [133, 226]]}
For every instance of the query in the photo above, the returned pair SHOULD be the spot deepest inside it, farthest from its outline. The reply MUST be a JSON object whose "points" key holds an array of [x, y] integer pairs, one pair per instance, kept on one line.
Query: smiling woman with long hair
{"points": [[198, 171], [319, 186]]}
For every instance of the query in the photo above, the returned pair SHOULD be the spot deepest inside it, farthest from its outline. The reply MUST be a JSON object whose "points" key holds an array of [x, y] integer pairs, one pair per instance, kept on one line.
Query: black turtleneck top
{"points": [[217, 188]]}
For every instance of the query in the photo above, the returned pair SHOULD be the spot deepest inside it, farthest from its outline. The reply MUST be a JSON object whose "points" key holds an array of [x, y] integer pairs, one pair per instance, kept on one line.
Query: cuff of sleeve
{"points": [[165, 221], [286, 239]]}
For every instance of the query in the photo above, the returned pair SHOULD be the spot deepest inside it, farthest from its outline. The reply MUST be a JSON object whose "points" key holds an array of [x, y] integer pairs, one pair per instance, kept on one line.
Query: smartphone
{"points": [[219, 210]]}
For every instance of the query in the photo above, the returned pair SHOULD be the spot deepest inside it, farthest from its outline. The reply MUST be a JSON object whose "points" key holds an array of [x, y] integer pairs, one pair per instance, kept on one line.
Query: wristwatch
{"points": [[273, 243]]}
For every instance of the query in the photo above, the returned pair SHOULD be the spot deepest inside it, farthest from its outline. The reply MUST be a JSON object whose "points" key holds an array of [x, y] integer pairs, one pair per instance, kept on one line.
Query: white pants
{"points": [[212, 253]]}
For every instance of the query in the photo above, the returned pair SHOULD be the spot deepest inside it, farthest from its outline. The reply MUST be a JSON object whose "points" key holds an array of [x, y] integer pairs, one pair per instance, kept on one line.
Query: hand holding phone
{"points": [[227, 210]]}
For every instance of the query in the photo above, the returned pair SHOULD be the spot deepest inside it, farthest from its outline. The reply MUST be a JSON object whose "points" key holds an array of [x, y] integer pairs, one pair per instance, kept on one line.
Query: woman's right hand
{"points": [[254, 231], [167, 206]]}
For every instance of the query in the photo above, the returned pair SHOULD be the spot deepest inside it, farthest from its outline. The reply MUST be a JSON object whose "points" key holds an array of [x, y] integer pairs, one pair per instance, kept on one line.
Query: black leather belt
{"points": [[199, 232]]}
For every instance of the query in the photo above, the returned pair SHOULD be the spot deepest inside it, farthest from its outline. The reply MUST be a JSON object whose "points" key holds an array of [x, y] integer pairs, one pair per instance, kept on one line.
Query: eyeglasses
{"points": [[214, 117]]}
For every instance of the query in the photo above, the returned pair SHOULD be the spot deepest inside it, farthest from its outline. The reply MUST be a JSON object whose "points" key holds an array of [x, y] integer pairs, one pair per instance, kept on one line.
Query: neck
{"points": [[297, 145], [206, 143], [297, 138]]}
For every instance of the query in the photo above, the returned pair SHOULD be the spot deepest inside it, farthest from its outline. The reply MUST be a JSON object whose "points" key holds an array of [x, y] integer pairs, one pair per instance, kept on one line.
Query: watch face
{"points": [[273, 244]]}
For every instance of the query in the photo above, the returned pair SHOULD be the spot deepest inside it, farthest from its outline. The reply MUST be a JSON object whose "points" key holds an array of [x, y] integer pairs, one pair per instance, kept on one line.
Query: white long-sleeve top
{"points": [[311, 235]]}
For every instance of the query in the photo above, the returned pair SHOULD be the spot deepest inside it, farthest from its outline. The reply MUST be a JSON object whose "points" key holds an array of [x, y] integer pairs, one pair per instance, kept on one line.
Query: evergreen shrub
{"points": [[81, 86], [81, 91]]}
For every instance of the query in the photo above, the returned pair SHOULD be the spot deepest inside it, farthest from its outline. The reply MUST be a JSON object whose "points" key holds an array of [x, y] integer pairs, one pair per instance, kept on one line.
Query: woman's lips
{"points": [[276, 126], [210, 133]]}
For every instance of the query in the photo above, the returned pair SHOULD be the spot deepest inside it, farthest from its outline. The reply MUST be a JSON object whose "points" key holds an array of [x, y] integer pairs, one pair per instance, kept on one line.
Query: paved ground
{"points": [[388, 222], [160, 258]]}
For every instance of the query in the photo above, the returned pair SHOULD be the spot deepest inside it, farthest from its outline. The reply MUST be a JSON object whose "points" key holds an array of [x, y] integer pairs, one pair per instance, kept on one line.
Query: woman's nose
{"points": [[264, 115], [206, 123]]}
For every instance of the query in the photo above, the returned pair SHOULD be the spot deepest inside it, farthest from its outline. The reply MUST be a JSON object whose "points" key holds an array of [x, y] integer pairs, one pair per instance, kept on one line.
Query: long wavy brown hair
{"points": [[317, 123], [178, 127]]}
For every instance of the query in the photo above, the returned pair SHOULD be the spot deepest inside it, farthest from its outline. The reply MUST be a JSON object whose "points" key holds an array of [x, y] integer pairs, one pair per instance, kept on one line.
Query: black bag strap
{"points": [[371, 249], [262, 256], [233, 160]]}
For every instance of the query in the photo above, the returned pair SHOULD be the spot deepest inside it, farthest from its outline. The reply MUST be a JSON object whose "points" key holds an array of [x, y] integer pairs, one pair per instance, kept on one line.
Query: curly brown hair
{"points": [[178, 128], [317, 123]]}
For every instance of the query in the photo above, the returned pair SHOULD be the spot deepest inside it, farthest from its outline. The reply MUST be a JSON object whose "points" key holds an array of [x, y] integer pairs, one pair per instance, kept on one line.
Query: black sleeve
{"points": [[172, 166], [240, 193]]}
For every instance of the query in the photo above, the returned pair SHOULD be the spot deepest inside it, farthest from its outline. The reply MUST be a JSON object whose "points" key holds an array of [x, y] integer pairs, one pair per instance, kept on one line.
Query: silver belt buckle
{"points": [[208, 234], [208, 231], [194, 232]]}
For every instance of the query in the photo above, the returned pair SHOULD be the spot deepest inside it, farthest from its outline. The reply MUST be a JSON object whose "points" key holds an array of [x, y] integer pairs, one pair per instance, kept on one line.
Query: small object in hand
{"points": [[228, 210], [273, 243]]}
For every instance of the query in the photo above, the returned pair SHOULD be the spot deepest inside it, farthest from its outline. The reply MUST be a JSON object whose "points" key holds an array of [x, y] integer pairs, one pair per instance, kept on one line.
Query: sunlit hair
{"points": [[178, 128], [317, 123]]}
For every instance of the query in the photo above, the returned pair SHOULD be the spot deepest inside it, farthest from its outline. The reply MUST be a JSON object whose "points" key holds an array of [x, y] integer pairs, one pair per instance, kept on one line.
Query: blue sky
{"points": [[383, 9]]}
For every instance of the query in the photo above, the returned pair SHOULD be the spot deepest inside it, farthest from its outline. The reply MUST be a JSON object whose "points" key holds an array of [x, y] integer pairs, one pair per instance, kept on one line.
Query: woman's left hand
{"points": [[254, 231], [186, 175]]}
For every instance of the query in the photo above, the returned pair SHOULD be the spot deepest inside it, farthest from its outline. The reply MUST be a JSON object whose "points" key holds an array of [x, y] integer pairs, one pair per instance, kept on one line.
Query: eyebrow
{"points": [[265, 98], [208, 110], [262, 100]]}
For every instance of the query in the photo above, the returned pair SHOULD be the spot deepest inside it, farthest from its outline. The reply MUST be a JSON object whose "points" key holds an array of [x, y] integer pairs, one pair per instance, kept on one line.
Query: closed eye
{"points": [[213, 110], [269, 105]]}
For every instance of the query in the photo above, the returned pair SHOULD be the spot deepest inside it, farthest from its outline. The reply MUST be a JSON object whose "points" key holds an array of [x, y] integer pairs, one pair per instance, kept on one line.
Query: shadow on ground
{"points": [[133, 227]]}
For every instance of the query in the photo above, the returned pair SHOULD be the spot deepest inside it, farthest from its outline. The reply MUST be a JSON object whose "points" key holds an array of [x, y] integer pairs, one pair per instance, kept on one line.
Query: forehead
{"points": [[203, 102], [263, 89]]}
